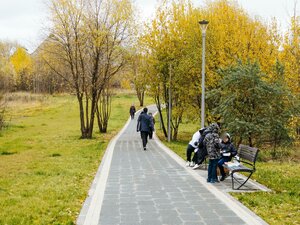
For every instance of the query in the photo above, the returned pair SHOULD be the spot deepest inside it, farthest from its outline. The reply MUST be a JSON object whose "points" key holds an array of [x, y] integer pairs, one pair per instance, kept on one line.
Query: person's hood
{"points": [[214, 128]]}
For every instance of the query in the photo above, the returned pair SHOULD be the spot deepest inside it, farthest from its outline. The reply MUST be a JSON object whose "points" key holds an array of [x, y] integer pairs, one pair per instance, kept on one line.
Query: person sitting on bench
{"points": [[227, 152]]}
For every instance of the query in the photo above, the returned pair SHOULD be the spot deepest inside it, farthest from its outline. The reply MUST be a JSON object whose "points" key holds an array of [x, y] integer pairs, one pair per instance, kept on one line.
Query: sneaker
{"points": [[188, 164], [196, 167], [192, 164], [222, 178], [145, 149]]}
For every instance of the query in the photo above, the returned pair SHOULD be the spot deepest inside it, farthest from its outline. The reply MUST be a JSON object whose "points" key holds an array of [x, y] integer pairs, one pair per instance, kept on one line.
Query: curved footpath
{"points": [[153, 187]]}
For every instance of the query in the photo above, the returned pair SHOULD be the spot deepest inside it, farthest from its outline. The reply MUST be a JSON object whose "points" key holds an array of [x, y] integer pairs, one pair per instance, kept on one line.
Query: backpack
{"points": [[201, 142]]}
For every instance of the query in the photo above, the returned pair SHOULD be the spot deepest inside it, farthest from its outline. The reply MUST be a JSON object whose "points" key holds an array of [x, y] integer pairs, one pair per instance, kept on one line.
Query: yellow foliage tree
{"points": [[7, 73], [22, 63], [173, 40], [290, 57]]}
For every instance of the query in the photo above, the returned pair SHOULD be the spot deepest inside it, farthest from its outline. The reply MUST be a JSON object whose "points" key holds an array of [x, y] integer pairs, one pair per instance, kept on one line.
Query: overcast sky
{"points": [[23, 20]]}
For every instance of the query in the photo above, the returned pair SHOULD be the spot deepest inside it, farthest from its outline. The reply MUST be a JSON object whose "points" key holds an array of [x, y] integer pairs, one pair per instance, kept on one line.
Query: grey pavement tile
{"points": [[151, 222], [171, 220], [149, 215], [190, 217], [109, 220], [194, 223], [232, 220]]}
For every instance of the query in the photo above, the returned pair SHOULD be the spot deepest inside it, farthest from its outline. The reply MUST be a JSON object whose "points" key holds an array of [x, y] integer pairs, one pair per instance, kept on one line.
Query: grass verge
{"points": [[45, 169]]}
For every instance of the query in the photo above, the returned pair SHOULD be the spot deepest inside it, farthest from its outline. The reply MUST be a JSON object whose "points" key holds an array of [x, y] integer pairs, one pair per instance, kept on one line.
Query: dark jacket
{"points": [[152, 122], [132, 110], [144, 123], [228, 148], [201, 144]]}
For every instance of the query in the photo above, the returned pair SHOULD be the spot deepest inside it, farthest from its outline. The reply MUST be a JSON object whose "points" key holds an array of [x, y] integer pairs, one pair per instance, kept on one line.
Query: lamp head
{"points": [[203, 25]]}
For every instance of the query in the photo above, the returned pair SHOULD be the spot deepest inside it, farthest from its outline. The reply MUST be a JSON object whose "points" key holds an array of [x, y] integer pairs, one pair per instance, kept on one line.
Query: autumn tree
{"points": [[290, 57], [44, 79], [110, 24], [22, 63], [136, 72], [89, 36], [173, 40], [7, 72]]}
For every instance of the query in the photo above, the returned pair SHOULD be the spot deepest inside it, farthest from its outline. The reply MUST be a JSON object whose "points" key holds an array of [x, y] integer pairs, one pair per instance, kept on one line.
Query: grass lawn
{"points": [[45, 169], [282, 205]]}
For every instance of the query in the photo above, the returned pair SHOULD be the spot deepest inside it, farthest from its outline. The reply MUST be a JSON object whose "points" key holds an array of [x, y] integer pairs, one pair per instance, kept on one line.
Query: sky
{"points": [[24, 21]]}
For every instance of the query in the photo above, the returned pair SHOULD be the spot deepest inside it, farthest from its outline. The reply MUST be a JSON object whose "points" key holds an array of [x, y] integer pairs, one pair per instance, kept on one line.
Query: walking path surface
{"points": [[152, 187]]}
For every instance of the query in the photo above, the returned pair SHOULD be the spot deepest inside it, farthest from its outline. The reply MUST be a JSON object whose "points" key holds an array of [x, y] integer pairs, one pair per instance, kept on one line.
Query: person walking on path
{"points": [[227, 152], [152, 126], [213, 146], [132, 111], [144, 126]]}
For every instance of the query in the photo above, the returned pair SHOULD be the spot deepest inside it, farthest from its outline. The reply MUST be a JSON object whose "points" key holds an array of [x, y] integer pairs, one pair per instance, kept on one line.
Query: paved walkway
{"points": [[152, 187]]}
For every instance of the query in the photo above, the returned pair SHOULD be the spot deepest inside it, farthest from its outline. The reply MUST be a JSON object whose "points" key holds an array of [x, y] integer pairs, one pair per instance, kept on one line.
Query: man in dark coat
{"points": [[144, 126]]}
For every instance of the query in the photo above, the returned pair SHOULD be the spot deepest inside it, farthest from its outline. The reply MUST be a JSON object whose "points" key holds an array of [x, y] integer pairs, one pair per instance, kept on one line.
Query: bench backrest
{"points": [[248, 154]]}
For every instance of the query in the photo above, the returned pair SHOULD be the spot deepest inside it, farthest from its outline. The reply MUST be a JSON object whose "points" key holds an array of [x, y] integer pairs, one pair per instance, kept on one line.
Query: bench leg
{"points": [[241, 184]]}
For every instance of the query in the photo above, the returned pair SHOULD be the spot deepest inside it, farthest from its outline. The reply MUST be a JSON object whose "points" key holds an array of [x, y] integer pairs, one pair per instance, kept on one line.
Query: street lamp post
{"points": [[203, 25], [170, 105]]}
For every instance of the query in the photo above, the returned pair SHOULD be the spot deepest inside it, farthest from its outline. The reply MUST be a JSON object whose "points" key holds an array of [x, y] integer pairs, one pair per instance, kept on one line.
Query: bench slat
{"points": [[248, 153]]}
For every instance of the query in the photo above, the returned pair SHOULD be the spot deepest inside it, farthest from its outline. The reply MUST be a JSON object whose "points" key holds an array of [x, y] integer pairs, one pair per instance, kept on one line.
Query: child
{"points": [[152, 125], [213, 146]]}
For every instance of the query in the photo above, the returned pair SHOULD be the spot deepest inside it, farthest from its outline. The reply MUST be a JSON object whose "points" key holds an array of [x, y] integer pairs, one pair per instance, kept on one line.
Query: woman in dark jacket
{"points": [[227, 152]]}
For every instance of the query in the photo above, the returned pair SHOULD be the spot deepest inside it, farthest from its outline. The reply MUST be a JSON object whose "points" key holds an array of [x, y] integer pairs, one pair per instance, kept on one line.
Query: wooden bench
{"points": [[248, 156]]}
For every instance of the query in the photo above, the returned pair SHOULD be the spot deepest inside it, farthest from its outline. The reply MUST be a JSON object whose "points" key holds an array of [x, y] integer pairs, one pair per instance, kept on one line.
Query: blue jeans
{"points": [[220, 165], [212, 170]]}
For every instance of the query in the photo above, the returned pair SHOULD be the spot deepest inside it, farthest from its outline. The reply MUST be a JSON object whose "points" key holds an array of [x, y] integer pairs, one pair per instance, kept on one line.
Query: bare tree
{"points": [[90, 37]]}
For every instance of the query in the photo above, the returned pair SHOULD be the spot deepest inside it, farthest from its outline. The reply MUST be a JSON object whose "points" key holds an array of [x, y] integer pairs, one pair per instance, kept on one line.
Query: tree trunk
{"points": [[158, 105], [92, 114], [250, 140], [141, 96], [84, 133], [175, 134], [240, 141], [103, 110]]}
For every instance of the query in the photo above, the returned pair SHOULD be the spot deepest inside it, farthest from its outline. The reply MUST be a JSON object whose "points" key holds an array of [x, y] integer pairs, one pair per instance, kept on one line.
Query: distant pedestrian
{"points": [[213, 146], [132, 111], [144, 126], [152, 125]]}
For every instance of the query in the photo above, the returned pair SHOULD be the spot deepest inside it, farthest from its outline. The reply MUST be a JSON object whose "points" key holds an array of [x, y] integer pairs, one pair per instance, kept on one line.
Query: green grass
{"points": [[45, 169], [282, 205]]}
